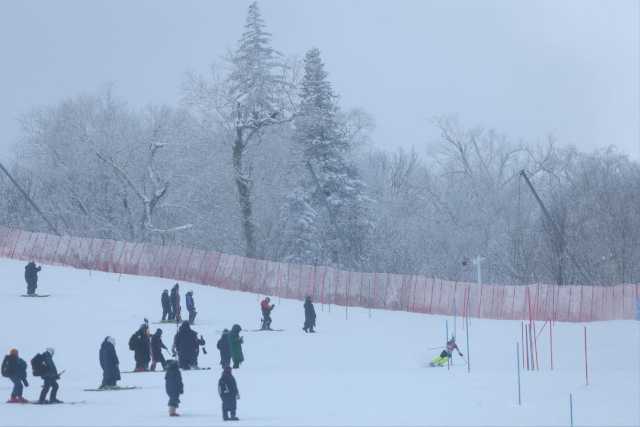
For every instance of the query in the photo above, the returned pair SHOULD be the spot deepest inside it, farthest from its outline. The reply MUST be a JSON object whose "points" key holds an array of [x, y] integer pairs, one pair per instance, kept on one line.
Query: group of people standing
{"points": [[15, 368], [171, 308], [148, 352]]}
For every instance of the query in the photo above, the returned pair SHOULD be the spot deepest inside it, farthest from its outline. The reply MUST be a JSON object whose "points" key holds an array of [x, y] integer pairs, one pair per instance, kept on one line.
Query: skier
{"points": [[14, 368], [191, 307], [31, 277], [309, 315], [266, 313], [446, 354], [228, 391], [166, 306], [187, 345], [139, 343], [173, 386], [224, 346], [235, 345], [109, 363], [44, 367], [156, 350], [175, 303]]}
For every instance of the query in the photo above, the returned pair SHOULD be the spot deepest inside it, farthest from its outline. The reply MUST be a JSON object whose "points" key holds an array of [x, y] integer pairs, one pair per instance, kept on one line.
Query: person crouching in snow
{"points": [[14, 368], [109, 363], [228, 391], [446, 354], [173, 386]]}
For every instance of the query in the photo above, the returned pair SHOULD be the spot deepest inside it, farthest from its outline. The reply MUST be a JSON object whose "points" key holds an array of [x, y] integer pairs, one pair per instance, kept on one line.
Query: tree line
{"points": [[260, 160]]}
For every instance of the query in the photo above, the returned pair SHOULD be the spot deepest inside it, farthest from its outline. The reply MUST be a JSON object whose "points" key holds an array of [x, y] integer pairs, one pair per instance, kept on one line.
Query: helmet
{"points": [[50, 350]]}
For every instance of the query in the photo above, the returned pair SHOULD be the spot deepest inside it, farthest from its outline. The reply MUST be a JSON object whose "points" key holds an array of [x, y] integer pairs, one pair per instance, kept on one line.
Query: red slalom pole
{"points": [[586, 364], [551, 341], [522, 341], [535, 344]]}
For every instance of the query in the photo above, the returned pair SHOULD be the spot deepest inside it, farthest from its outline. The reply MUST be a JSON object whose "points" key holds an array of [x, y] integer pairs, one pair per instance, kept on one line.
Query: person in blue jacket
{"points": [[191, 307], [14, 368]]}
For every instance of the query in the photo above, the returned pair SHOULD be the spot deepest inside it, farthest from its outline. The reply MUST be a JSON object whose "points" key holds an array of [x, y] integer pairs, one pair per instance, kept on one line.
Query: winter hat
{"points": [[111, 340], [159, 331], [13, 352], [50, 350]]}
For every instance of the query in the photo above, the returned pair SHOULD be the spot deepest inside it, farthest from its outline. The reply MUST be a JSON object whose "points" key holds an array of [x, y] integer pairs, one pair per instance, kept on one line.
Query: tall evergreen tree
{"points": [[255, 92], [331, 184]]}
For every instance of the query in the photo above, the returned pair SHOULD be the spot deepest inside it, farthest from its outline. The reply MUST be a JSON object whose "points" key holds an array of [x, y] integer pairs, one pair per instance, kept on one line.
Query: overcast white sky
{"points": [[526, 68]]}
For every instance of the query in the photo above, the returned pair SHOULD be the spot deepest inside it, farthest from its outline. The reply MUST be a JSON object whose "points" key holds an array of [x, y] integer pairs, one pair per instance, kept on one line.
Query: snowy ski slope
{"points": [[369, 369]]}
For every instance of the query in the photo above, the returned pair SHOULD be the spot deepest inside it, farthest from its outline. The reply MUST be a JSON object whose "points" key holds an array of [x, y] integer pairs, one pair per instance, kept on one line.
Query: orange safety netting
{"points": [[327, 285]]}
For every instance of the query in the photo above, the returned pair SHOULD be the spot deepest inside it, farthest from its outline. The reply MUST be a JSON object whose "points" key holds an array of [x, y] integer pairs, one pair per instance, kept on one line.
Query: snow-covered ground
{"points": [[369, 369]]}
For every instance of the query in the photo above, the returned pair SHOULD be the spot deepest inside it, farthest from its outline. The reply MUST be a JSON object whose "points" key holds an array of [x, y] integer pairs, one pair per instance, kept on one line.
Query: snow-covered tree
{"points": [[330, 193]]}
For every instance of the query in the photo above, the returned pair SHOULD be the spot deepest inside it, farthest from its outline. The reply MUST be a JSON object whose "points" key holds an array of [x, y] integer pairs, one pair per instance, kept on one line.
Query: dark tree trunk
{"points": [[244, 195]]}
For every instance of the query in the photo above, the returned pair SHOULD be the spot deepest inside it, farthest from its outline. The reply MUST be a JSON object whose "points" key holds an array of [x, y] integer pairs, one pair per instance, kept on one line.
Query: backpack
{"points": [[133, 341], [38, 365], [5, 367]]}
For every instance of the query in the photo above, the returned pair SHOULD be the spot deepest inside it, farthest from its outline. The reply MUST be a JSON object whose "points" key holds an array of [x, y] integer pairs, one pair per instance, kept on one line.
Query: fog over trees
{"points": [[260, 160]]}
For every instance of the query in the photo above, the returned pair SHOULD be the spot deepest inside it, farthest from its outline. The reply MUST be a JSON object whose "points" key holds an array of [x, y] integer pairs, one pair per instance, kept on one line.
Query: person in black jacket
{"points": [[14, 368], [228, 391], [225, 349], [50, 376], [31, 277], [191, 307], [139, 343], [187, 345], [156, 350], [173, 386], [309, 315], [175, 303], [166, 306], [109, 363]]}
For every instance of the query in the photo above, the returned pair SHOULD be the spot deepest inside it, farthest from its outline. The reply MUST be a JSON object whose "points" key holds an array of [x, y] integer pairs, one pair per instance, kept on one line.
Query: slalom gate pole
{"points": [[518, 369], [522, 341], [551, 341], [586, 363], [526, 347], [468, 350], [535, 344], [571, 409], [531, 363], [446, 331]]}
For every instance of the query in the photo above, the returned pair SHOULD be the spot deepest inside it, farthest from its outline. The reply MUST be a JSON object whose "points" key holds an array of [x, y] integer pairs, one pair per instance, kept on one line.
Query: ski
{"points": [[142, 372], [112, 388], [265, 330], [76, 402], [36, 295]]}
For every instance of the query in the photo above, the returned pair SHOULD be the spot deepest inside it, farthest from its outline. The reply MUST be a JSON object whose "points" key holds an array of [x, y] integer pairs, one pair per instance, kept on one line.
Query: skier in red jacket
{"points": [[266, 313]]}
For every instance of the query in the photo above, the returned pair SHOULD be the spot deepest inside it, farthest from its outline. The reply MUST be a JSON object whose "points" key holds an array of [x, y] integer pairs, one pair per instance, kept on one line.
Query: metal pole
{"points": [[571, 408], [586, 363], [446, 331], [551, 341], [30, 200], [518, 368], [468, 351]]}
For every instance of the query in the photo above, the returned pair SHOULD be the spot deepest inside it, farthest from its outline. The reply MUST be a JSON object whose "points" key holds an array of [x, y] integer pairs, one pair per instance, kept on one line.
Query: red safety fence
{"points": [[327, 285]]}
